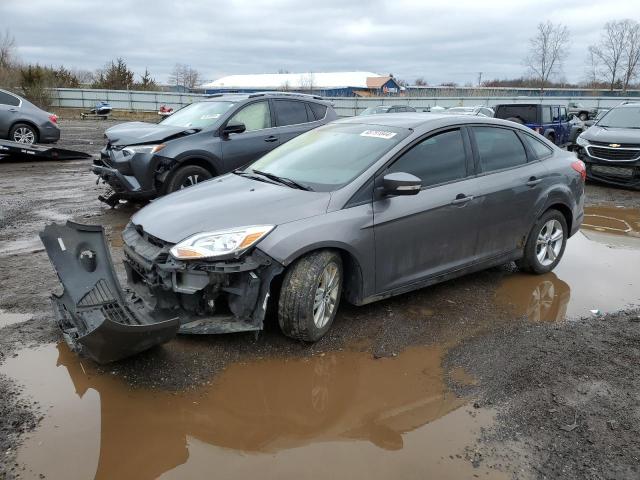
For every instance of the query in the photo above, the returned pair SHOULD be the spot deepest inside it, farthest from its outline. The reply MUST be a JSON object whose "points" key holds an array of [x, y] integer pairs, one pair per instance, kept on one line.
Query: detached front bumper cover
{"points": [[95, 315]]}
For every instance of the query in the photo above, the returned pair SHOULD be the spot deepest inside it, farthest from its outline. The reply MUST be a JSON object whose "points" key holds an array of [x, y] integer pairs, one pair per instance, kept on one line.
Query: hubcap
{"points": [[190, 180], [549, 242], [326, 295], [24, 135]]}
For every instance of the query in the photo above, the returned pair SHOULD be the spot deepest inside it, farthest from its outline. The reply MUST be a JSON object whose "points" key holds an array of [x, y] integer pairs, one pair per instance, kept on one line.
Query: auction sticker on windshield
{"points": [[378, 134]]}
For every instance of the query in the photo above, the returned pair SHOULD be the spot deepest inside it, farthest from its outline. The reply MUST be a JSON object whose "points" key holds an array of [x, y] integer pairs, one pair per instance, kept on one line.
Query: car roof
{"points": [[415, 120], [245, 96]]}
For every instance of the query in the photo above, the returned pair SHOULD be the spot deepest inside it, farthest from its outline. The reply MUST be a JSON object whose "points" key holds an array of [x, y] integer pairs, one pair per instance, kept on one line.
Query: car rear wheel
{"points": [[23, 133], [545, 244], [310, 296], [187, 176]]}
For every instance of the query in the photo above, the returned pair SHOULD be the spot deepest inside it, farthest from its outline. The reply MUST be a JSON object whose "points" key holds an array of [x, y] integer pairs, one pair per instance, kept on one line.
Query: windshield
{"points": [[374, 110], [624, 117], [197, 115], [330, 157]]}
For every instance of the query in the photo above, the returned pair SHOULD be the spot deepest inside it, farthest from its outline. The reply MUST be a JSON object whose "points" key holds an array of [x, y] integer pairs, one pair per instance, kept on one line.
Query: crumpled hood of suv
{"points": [[612, 135], [227, 202], [133, 133]]}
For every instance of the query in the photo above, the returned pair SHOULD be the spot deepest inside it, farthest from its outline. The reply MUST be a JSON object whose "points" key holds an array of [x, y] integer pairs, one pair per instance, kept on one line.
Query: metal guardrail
{"points": [[345, 106]]}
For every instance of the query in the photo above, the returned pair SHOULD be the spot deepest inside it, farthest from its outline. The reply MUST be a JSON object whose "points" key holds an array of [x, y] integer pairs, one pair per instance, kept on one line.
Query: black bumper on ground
{"points": [[167, 296]]}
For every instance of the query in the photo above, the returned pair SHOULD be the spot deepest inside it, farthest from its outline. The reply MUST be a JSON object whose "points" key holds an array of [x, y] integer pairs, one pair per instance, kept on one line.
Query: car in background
{"points": [[360, 209], [201, 141], [550, 121], [387, 109], [601, 113], [480, 110], [580, 111], [21, 121], [611, 148]]}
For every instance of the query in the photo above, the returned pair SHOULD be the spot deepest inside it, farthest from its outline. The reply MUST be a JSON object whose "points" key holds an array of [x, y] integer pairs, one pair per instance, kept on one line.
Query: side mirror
{"points": [[233, 128], [400, 183]]}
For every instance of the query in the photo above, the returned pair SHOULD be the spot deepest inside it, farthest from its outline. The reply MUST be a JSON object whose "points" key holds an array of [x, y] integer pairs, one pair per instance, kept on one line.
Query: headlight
{"points": [[223, 242], [132, 149], [583, 142]]}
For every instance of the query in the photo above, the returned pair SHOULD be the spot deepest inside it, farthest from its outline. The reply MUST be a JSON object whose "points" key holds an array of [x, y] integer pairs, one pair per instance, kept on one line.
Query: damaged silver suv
{"points": [[360, 209]]}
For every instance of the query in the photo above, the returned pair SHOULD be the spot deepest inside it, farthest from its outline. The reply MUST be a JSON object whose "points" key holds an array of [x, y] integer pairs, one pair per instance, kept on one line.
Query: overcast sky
{"points": [[440, 41]]}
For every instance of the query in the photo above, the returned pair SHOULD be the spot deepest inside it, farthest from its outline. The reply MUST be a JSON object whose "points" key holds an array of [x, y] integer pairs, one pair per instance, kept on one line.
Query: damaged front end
{"points": [[166, 296]]}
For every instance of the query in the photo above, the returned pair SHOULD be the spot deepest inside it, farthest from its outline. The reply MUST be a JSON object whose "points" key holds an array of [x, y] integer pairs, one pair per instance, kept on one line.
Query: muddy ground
{"points": [[496, 375]]}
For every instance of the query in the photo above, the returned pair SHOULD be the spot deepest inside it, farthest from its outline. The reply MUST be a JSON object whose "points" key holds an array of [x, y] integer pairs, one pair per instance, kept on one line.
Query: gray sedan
{"points": [[358, 210], [21, 121]]}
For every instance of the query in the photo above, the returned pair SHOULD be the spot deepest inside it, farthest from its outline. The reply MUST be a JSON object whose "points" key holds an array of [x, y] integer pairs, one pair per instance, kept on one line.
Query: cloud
{"points": [[439, 41]]}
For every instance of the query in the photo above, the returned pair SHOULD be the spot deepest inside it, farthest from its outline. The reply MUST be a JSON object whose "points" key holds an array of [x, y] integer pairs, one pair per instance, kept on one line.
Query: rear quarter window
{"points": [[539, 149], [319, 111]]}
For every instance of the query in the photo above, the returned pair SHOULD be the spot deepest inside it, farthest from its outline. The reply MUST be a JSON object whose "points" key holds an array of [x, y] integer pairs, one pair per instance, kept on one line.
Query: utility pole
{"points": [[479, 79]]}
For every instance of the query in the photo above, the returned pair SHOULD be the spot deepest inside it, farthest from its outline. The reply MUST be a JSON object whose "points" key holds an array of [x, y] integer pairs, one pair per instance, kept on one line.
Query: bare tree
{"points": [[547, 51], [420, 82], [631, 53], [592, 70], [7, 50], [307, 82], [609, 52], [184, 76]]}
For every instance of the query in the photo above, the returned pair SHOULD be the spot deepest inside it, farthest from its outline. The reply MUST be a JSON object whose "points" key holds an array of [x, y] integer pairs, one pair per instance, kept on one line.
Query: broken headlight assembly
{"points": [[133, 149], [222, 243]]}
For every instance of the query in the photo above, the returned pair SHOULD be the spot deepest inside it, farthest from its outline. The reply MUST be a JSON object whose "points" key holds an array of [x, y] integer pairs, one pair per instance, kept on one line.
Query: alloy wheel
{"points": [[24, 135], [326, 295], [549, 242], [190, 180]]}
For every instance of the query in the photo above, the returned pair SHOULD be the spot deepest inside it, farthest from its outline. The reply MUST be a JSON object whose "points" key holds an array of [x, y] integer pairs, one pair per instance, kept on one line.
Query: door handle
{"points": [[271, 138], [533, 181], [14, 110], [461, 199]]}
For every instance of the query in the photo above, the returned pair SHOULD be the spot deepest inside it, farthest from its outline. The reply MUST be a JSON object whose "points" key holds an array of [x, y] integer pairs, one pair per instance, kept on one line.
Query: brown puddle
{"points": [[7, 318], [340, 414], [599, 271]]}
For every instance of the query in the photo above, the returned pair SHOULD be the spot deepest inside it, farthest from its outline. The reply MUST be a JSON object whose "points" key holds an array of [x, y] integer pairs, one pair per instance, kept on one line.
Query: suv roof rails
{"points": [[627, 102], [286, 94]]}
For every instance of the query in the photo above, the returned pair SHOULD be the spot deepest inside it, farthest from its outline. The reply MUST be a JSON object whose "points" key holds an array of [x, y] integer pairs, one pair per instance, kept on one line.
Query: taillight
{"points": [[579, 167], [53, 118]]}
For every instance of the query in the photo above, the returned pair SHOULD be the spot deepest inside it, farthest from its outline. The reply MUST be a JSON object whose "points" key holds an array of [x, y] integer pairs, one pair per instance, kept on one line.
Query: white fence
{"points": [[345, 106]]}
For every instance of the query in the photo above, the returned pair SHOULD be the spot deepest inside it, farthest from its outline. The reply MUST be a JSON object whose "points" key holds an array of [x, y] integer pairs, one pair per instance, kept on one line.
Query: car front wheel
{"points": [[23, 133], [545, 244], [310, 296], [186, 176]]}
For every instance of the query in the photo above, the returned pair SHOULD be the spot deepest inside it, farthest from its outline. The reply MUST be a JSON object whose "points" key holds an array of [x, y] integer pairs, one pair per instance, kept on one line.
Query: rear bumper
{"points": [[49, 134]]}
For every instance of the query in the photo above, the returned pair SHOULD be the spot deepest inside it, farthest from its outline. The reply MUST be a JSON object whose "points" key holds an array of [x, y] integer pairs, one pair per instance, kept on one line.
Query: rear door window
{"points": [[563, 114], [498, 148], [437, 159], [555, 114], [546, 114], [290, 112], [7, 99]]}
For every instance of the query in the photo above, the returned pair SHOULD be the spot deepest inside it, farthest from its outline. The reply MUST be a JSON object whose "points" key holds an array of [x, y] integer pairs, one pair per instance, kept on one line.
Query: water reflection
{"points": [[261, 407], [598, 271]]}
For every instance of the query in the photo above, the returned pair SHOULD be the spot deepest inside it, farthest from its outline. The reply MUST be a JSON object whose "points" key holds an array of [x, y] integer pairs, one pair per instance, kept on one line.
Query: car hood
{"points": [[132, 133], [612, 135], [227, 202]]}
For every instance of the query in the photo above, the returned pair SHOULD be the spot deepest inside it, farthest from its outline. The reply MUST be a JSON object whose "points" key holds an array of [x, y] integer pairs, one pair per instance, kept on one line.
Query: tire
{"points": [[302, 285], [583, 116], [545, 229], [23, 133], [551, 137], [186, 176]]}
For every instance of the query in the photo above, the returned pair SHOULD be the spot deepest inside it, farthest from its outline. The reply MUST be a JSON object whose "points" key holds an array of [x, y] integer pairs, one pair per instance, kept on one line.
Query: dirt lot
{"points": [[495, 375]]}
